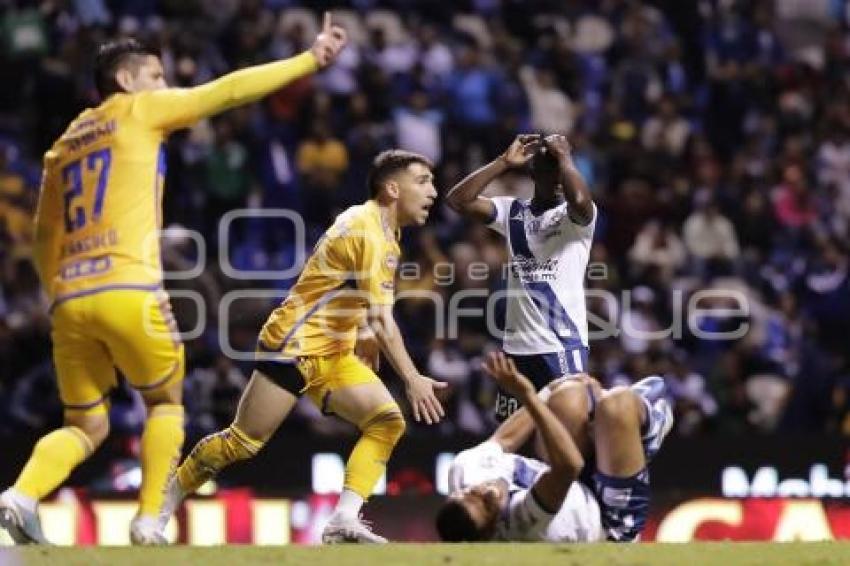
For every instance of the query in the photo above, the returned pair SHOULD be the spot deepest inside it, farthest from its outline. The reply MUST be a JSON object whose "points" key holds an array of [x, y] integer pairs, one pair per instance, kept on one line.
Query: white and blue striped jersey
{"points": [[546, 309]]}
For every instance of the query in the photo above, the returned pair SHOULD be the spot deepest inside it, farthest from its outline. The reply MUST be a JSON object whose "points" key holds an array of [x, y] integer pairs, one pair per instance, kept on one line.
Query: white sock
{"points": [[25, 501], [349, 504]]}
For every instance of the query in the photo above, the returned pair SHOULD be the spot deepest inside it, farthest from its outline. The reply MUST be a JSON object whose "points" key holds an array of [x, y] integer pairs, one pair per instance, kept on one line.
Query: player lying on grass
{"points": [[499, 495], [308, 346], [97, 255]]}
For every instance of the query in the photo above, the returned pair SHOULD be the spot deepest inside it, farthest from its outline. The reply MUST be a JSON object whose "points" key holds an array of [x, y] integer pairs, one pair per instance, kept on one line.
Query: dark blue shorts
{"points": [[541, 369], [623, 503]]}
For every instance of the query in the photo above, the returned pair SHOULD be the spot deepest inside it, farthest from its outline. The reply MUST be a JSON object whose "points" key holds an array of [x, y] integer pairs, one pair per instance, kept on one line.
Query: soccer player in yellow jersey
{"points": [[97, 255], [310, 345]]}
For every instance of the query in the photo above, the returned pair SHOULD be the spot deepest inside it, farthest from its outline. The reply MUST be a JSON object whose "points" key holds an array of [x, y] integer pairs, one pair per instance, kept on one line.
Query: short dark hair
{"points": [[390, 162], [113, 55], [454, 524]]}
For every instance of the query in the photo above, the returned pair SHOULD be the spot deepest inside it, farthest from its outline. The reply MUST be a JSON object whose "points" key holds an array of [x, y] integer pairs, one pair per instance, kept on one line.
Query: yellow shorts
{"points": [[133, 330], [316, 376]]}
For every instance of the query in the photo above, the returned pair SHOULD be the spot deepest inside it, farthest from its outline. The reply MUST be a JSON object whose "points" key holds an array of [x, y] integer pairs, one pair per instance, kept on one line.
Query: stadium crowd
{"points": [[715, 136]]}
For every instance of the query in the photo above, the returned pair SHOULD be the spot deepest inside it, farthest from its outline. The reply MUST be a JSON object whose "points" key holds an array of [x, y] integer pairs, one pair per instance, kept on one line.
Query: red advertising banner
{"points": [[237, 516], [751, 519]]}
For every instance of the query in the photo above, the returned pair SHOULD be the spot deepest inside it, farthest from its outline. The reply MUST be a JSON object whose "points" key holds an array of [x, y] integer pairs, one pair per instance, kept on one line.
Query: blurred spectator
{"points": [[34, 400], [792, 201], [693, 404], [638, 321], [228, 177], [473, 89], [826, 295], [657, 247], [210, 392], [418, 126], [551, 110], [756, 224], [666, 131], [322, 161], [710, 237], [436, 57], [448, 364]]}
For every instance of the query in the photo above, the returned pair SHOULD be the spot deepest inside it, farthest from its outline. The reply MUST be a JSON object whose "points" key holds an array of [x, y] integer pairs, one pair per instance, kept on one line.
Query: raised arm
{"points": [[465, 197], [565, 460], [576, 193], [517, 429], [175, 108]]}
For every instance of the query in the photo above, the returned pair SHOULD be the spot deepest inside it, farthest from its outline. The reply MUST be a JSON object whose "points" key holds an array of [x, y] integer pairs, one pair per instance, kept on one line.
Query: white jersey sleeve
{"points": [[503, 207], [479, 464], [587, 229]]}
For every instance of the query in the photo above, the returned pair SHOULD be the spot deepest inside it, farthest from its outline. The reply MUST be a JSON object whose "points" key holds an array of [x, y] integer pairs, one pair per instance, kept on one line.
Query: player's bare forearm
{"points": [[420, 390], [565, 460], [465, 196], [577, 195], [564, 456], [575, 189], [383, 325], [517, 429], [514, 432]]}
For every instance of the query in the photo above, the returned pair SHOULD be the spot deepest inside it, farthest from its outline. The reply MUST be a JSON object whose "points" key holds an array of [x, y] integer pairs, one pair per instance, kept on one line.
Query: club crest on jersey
{"points": [[391, 261], [546, 222]]}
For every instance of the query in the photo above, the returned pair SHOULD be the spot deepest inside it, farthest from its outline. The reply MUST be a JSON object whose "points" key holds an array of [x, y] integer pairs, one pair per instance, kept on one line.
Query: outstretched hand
{"points": [[330, 41], [423, 400]]}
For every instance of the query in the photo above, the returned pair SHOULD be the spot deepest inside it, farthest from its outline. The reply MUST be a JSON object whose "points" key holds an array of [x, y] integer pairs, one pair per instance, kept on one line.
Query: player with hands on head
{"points": [[548, 239]]}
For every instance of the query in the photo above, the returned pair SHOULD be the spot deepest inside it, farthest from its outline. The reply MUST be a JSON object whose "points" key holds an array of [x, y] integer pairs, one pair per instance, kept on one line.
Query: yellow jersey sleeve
{"points": [[175, 108]]}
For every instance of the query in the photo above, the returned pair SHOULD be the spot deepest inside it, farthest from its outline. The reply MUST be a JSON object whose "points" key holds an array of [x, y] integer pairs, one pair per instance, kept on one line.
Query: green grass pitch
{"points": [[647, 554]]}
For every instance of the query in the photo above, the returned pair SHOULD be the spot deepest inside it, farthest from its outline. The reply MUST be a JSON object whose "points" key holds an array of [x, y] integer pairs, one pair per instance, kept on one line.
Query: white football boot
{"points": [[145, 531], [19, 519], [341, 529]]}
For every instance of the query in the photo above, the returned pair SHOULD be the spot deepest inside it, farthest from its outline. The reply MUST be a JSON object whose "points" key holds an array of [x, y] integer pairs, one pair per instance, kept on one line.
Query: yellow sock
{"points": [[380, 432], [161, 444], [212, 454], [53, 459]]}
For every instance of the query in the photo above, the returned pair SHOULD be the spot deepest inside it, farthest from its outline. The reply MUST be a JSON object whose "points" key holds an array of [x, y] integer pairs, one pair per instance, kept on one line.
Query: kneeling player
{"points": [[498, 495]]}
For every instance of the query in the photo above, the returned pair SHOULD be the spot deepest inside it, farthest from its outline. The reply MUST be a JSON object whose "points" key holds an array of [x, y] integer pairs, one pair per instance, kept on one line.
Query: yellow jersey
{"points": [[352, 267], [100, 205]]}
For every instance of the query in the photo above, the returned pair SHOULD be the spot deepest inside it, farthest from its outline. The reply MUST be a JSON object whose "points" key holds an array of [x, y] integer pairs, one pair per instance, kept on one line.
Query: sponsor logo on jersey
{"points": [[533, 269]]}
